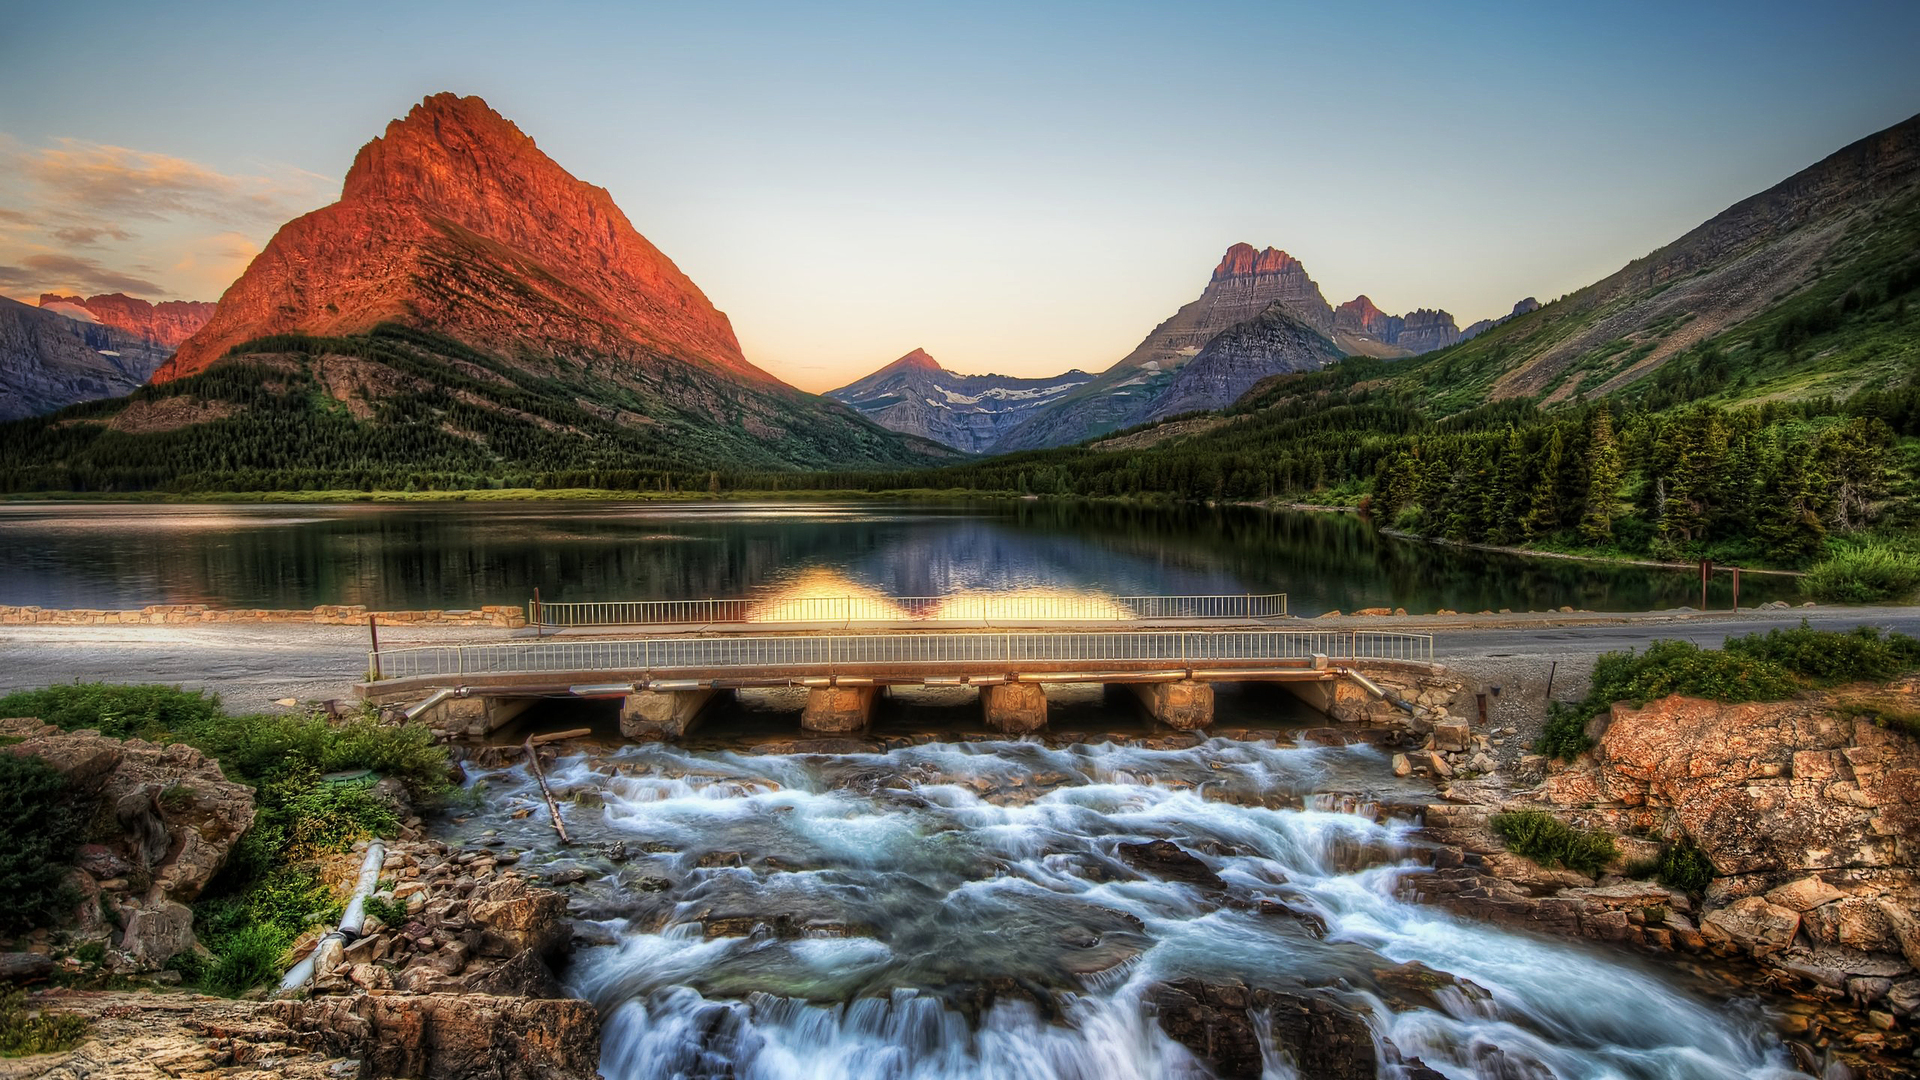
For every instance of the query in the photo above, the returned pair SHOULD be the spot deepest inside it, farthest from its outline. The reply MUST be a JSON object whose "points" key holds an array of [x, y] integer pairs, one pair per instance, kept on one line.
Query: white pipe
{"points": [[435, 698], [350, 924]]}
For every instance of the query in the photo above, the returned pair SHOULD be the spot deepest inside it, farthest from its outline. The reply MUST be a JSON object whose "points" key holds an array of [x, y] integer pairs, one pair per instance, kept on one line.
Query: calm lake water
{"points": [[464, 555]]}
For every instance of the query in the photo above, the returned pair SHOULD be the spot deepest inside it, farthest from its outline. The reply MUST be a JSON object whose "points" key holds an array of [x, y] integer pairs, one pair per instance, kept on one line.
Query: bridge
{"points": [[1016, 609], [666, 683]]}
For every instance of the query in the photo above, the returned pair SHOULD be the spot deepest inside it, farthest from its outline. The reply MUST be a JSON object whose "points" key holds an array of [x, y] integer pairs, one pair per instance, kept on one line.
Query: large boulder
{"points": [[175, 818], [1753, 925], [450, 1036], [1771, 787]]}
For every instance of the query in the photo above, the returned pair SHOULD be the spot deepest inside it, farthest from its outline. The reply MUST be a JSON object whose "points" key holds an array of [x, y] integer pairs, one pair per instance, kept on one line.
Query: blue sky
{"points": [[1016, 187]]}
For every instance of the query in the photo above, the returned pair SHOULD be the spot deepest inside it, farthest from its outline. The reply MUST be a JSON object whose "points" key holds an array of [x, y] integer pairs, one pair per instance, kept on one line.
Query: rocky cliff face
{"points": [[1424, 330], [166, 324], [915, 395], [1363, 328], [49, 361], [1271, 343]]}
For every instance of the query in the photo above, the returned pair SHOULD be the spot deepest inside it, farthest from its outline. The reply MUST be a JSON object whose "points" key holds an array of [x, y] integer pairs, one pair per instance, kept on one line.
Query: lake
{"points": [[457, 555]]}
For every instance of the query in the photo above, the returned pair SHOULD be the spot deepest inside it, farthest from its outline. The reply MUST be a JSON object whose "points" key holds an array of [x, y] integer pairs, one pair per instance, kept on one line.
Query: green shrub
{"points": [[22, 1034], [42, 823], [119, 711], [1867, 576], [1685, 867], [1829, 658], [1564, 735], [387, 910], [1549, 841]]}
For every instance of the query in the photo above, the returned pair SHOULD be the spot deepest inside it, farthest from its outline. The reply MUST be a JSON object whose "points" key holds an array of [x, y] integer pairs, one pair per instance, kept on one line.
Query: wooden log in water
{"points": [[553, 808], [558, 736]]}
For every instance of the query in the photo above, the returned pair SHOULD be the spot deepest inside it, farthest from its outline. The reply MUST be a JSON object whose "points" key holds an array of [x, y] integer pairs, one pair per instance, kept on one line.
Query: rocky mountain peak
{"points": [[1241, 260], [1360, 315], [436, 217], [917, 360]]}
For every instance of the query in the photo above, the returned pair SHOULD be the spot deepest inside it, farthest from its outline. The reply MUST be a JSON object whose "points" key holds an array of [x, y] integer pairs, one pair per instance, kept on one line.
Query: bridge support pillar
{"points": [[664, 714], [1014, 708], [1186, 704], [476, 716], [839, 709]]}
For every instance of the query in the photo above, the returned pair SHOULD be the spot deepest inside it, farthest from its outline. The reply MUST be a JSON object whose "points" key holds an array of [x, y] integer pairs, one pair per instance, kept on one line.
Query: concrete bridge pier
{"points": [[836, 710], [666, 714], [478, 716], [1186, 704], [1014, 708]]}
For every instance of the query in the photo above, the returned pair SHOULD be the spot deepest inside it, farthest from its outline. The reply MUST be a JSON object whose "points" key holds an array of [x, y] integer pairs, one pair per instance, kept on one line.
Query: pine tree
{"points": [[1603, 480], [1509, 495], [1543, 508]]}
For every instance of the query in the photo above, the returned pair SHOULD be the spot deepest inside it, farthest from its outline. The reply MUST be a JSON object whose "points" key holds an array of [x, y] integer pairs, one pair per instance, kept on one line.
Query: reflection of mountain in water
{"points": [[458, 556]]}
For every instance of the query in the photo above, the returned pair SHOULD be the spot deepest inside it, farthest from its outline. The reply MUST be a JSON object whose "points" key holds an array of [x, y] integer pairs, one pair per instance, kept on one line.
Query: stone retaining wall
{"points": [[499, 616]]}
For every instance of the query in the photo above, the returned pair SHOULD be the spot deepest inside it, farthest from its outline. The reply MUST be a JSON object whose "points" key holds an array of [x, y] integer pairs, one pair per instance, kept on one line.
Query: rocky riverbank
{"points": [[1807, 812]]}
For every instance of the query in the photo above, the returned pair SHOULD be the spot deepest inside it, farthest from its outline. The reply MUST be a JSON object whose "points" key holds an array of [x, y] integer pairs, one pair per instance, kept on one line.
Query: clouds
{"points": [[84, 216], [53, 272], [97, 182]]}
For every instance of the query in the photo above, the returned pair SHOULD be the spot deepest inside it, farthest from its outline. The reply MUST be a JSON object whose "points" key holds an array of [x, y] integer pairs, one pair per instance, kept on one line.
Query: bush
{"points": [[1866, 576], [1549, 841], [117, 711], [1829, 658], [1685, 867], [1681, 667], [22, 1034], [41, 825], [1564, 735], [389, 911]]}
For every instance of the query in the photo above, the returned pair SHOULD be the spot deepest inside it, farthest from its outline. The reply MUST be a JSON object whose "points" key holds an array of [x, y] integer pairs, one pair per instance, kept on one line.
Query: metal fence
{"points": [[821, 654], [1011, 609]]}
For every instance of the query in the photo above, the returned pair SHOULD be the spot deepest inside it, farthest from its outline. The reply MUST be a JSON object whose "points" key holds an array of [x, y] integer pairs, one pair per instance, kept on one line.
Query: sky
{"points": [[1015, 187]]}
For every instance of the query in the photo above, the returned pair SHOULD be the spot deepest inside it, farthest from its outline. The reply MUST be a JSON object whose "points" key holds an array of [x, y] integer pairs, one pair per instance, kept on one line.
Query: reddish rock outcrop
{"points": [[455, 221], [167, 323]]}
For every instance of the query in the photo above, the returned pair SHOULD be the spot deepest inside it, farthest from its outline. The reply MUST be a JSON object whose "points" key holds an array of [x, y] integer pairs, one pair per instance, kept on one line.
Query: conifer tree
{"points": [[1603, 479], [1543, 507]]}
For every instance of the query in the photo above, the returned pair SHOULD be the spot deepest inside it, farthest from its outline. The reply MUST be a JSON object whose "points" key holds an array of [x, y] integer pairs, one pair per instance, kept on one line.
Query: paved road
{"points": [[250, 665]]}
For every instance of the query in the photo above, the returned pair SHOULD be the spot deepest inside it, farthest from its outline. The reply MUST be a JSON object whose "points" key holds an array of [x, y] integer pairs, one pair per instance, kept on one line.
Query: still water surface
{"points": [[465, 555]]}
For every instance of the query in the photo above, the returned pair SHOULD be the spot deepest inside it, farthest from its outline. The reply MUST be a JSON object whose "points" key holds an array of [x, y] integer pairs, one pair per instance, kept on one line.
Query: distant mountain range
{"points": [[1260, 315], [49, 359], [468, 307], [166, 324], [915, 395]]}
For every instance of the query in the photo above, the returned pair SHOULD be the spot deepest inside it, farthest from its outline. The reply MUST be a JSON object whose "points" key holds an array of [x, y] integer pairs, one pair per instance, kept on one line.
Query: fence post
{"points": [[539, 614]]}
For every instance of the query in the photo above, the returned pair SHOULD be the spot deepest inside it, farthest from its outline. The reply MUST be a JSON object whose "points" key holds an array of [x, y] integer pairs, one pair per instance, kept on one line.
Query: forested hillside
{"points": [[408, 409]]}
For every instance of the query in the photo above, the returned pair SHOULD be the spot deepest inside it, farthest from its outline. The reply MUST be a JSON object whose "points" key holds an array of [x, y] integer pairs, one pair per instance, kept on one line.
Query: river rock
{"points": [[1216, 1021], [1170, 862], [516, 918], [1752, 924]]}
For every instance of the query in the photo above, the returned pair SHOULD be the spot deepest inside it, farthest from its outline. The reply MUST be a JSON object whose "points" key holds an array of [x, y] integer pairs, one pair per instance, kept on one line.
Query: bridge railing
{"points": [[821, 654], [842, 609]]}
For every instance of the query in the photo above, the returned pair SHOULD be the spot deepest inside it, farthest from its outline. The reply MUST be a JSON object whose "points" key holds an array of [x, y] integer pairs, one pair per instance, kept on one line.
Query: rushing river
{"points": [[465, 555], [983, 909]]}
